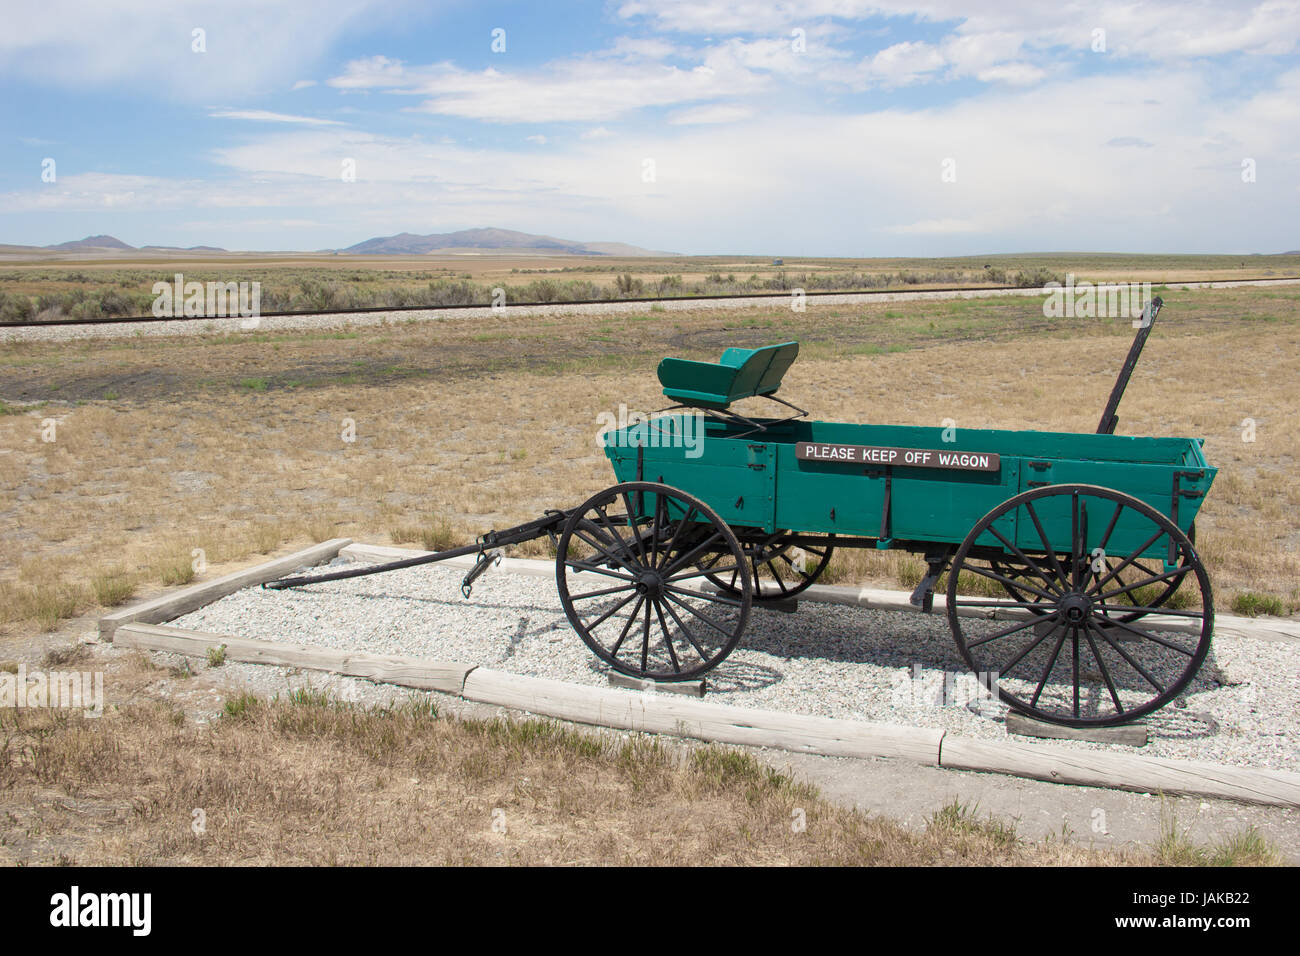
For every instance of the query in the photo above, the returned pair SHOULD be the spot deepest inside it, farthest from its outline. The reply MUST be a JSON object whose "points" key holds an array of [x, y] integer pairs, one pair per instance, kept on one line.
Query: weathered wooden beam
{"points": [[687, 688], [1130, 735], [167, 607], [417, 672], [665, 714], [1091, 768]]}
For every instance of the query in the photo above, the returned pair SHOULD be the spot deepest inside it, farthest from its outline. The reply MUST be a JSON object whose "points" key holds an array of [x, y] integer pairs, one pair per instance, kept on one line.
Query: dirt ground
{"points": [[171, 455]]}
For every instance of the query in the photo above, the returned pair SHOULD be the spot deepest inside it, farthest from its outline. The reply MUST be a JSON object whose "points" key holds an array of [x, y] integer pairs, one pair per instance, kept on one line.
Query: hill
{"points": [[407, 243]]}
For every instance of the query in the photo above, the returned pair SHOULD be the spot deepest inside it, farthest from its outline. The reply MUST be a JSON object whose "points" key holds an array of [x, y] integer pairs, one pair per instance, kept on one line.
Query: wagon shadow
{"points": [[850, 635]]}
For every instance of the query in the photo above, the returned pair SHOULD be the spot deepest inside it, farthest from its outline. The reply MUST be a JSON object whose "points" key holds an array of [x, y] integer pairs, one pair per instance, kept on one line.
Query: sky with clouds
{"points": [[821, 127]]}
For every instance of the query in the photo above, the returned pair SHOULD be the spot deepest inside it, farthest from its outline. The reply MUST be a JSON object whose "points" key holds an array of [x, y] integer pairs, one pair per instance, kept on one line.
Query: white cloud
{"points": [[537, 138], [905, 63], [266, 116], [148, 45], [700, 115], [583, 89], [1033, 170], [1016, 74], [302, 85]]}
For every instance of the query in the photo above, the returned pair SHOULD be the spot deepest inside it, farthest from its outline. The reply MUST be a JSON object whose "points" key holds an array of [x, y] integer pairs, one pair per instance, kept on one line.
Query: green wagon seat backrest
{"points": [[761, 370], [741, 373]]}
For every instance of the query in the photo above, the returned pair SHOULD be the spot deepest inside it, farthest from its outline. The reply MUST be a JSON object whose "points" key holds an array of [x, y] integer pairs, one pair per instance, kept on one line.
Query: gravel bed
{"points": [[825, 660]]}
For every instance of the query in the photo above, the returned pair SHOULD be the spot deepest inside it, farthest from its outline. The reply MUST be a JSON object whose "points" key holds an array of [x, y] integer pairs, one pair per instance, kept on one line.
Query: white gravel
{"points": [[827, 660]]}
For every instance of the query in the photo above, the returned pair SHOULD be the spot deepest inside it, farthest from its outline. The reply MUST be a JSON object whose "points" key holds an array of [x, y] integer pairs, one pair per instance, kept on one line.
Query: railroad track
{"points": [[288, 321]]}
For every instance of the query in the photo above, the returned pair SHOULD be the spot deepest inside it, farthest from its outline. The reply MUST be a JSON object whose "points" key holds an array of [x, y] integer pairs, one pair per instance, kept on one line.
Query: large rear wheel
{"points": [[1083, 635]]}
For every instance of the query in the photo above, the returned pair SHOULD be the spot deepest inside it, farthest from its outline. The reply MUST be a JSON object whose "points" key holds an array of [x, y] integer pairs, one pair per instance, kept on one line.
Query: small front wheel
{"points": [[629, 566]]}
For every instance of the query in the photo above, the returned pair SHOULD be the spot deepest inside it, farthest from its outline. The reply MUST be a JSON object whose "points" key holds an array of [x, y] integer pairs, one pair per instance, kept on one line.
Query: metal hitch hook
{"points": [[485, 560]]}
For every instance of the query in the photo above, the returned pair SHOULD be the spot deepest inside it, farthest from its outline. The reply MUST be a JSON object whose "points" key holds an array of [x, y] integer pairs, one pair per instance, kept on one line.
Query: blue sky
{"points": [[825, 127]]}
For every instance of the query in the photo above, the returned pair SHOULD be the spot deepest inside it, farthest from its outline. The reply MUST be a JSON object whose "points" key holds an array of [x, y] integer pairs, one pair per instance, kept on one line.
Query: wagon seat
{"points": [[740, 373]]}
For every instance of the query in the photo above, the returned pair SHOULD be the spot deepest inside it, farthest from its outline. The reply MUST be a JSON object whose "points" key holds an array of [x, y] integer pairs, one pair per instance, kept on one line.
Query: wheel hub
{"points": [[650, 583], [1075, 607]]}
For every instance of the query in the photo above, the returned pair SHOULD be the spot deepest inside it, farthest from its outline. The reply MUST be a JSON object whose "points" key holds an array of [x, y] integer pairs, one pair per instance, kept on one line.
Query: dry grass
{"points": [[307, 780], [454, 435]]}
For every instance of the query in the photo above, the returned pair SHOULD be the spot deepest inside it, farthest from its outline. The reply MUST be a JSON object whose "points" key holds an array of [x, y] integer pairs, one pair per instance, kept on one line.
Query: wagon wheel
{"points": [[777, 570], [1068, 649], [1155, 595], [628, 569]]}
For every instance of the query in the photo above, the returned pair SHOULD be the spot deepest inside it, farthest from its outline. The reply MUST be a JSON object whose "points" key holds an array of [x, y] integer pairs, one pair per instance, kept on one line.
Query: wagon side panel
{"points": [[1153, 484], [893, 502], [737, 478]]}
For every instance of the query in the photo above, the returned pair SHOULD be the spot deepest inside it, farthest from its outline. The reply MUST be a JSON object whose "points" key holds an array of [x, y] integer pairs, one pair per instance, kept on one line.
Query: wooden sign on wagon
{"points": [[889, 455]]}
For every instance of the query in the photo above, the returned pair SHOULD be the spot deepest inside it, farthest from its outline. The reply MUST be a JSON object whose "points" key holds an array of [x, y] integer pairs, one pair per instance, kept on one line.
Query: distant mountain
{"points": [[96, 243], [182, 249], [408, 244], [92, 242]]}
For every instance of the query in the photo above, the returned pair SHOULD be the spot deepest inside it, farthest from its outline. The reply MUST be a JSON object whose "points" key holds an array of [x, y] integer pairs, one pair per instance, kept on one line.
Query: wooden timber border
{"points": [[142, 626]]}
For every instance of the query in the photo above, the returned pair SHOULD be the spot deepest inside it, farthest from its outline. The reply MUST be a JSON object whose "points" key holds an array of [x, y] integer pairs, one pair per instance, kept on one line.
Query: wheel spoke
{"points": [[1114, 519], [1012, 630], [645, 639], [602, 593], [614, 556], [1007, 668], [1147, 611], [707, 620], [632, 526], [627, 628], [990, 573], [657, 528], [612, 611], [1047, 547], [1076, 549], [1132, 663], [994, 602], [691, 555], [610, 526], [596, 569], [701, 571], [1074, 653], [1051, 663], [1128, 588], [1047, 578], [672, 542], [1101, 664], [793, 567], [715, 598], [1147, 635], [1133, 555], [686, 630], [668, 638], [1120, 578]]}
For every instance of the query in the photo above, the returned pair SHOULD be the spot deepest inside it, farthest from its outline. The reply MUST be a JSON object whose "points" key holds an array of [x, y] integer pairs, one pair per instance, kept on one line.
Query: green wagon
{"points": [[1073, 584], [1072, 577]]}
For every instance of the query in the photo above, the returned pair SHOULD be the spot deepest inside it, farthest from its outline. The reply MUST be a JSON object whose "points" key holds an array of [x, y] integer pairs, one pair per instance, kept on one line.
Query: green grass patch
{"points": [[1255, 603]]}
